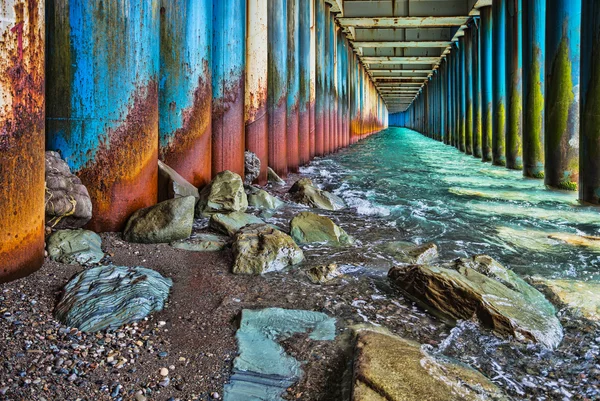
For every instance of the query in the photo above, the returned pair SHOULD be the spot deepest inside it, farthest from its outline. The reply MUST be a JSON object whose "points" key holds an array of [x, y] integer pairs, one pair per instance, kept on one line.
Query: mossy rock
{"points": [[407, 252], [75, 247], [304, 192], [308, 228], [231, 223], [224, 194], [261, 199], [202, 243]]}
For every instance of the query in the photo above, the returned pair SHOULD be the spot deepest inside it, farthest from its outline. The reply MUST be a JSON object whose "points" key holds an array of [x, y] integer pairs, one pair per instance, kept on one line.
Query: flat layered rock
{"points": [[108, 297], [202, 243], [584, 296], [482, 288], [391, 368], [165, 222], [260, 248], [172, 185], [304, 192], [273, 178], [75, 247], [232, 223], [224, 194], [407, 252], [308, 228]]}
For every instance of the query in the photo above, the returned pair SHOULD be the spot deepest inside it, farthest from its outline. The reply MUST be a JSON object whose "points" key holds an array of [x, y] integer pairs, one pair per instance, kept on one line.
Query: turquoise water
{"points": [[426, 191]]}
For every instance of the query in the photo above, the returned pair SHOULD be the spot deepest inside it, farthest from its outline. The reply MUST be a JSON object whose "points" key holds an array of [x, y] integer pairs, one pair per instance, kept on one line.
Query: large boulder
{"points": [[303, 191], [407, 252], [273, 178], [583, 296], [232, 223], [202, 243], [172, 185], [251, 167], [108, 297], [391, 368], [75, 247], [224, 194], [260, 248], [307, 228], [482, 288], [68, 204], [167, 221], [261, 199]]}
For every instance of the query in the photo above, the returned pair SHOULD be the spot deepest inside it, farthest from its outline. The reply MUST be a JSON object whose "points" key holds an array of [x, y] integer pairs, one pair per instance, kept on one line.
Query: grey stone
{"points": [[75, 247], [308, 228], [273, 178], [68, 203], [231, 223], [304, 192], [323, 274], [251, 167], [167, 221], [260, 248], [108, 297], [224, 194], [202, 243], [407, 252], [172, 185]]}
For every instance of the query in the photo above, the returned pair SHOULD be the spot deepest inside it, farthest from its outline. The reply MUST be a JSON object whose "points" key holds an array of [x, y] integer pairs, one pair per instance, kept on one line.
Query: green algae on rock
{"points": [[202, 242], [75, 247], [323, 274], [261, 199], [263, 370], [224, 194], [485, 289], [583, 296], [108, 297], [307, 228], [391, 368], [167, 221], [261, 248], [231, 223], [303, 191]]}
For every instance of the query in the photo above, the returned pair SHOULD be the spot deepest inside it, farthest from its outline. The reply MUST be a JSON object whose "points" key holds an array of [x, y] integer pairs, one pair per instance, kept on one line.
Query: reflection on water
{"points": [[427, 191]]}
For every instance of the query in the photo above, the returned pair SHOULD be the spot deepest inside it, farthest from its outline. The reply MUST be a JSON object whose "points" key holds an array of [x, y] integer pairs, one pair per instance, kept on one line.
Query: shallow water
{"points": [[410, 187]]}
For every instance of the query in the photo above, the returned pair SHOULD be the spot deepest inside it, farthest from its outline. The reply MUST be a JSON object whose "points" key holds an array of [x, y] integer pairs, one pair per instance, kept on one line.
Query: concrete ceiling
{"points": [[401, 42]]}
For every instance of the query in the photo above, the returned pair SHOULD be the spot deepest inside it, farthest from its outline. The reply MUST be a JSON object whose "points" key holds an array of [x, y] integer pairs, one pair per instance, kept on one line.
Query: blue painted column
{"points": [[185, 92], [487, 101], [534, 48], [476, 85], [589, 190], [563, 45], [468, 85], [102, 74], [514, 71], [278, 86], [320, 77], [327, 80], [229, 72], [443, 101], [304, 129], [499, 83], [293, 82]]}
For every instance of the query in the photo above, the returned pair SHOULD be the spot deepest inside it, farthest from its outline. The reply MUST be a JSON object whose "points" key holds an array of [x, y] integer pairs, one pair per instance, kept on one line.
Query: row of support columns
{"points": [[192, 83], [521, 89]]}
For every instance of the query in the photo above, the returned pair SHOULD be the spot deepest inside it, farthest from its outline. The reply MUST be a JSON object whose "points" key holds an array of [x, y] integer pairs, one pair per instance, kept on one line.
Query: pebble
{"points": [[165, 382], [164, 372], [140, 397], [216, 396]]}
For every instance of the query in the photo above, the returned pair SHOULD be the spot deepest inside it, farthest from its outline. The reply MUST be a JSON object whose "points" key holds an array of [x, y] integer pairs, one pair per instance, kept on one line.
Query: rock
{"points": [[261, 199], [483, 288], [391, 368], [407, 252], [323, 274], [263, 370], [231, 223], [307, 228], [68, 203], [584, 241], [167, 221], [75, 246], [224, 194], [303, 191], [108, 297], [171, 185], [164, 372], [273, 178], [202, 243], [251, 167], [260, 248], [583, 296]]}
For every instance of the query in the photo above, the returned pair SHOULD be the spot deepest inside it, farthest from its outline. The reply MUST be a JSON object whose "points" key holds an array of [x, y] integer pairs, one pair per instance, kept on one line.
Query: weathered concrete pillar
{"points": [[185, 93], [476, 85], [278, 86], [293, 82], [487, 101], [563, 41], [313, 78], [327, 81], [257, 72], [499, 83], [320, 98], [468, 85], [589, 190], [514, 68], [304, 130], [103, 71], [534, 48], [21, 138], [229, 74]]}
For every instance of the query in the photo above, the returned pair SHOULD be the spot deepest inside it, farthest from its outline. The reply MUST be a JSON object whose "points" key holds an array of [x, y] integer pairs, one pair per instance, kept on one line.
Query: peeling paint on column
{"points": [[257, 69], [103, 61], [320, 94], [21, 138], [468, 85], [486, 84], [514, 67], [293, 84], [313, 79], [562, 93], [304, 131], [499, 83], [185, 91], [476, 78]]}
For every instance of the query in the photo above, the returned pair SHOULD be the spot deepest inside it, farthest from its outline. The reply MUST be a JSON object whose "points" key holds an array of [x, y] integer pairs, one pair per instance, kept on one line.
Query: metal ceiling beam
{"points": [[399, 60], [399, 70], [403, 22], [425, 43]]}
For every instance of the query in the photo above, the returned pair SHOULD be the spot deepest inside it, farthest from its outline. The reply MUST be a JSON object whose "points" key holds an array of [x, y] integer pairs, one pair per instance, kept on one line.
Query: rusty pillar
{"points": [[320, 100], [313, 79], [327, 77], [304, 77], [103, 67], [293, 83], [21, 138]]}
